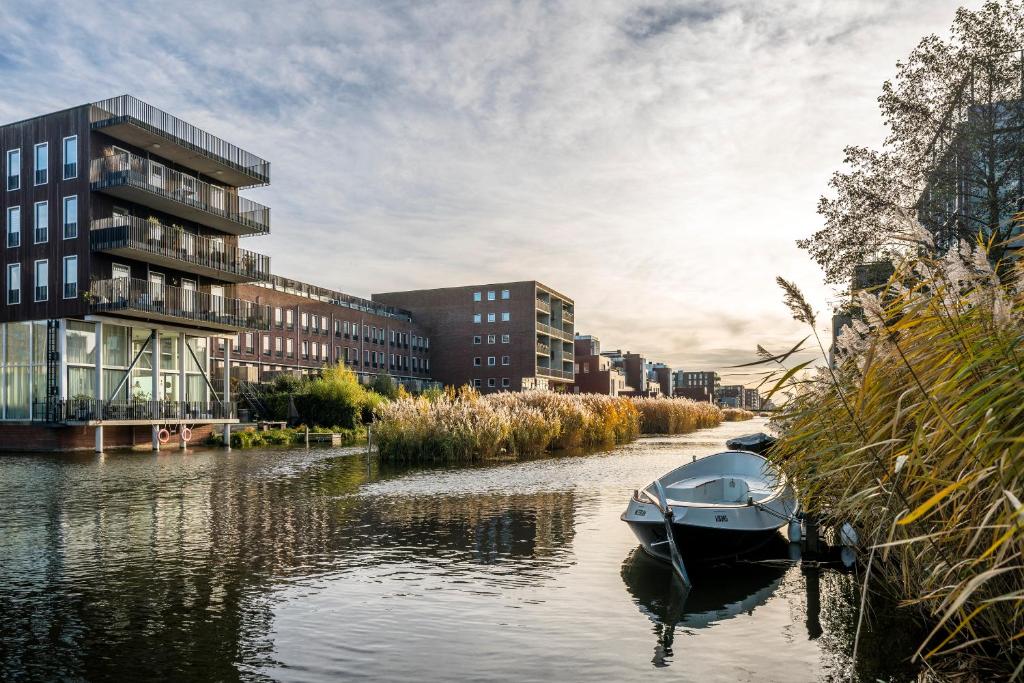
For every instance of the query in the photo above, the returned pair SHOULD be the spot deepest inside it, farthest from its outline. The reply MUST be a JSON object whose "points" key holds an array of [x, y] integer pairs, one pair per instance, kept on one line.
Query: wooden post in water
{"points": [[307, 437], [812, 541]]}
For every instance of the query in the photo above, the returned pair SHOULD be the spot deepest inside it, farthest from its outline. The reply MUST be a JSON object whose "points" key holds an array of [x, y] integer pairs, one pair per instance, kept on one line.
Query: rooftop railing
{"points": [[132, 232], [131, 170], [133, 294], [127, 108]]}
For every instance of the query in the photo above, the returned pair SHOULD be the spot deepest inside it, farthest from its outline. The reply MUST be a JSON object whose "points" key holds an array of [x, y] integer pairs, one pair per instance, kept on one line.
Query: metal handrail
{"points": [[543, 306], [89, 409], [125, 168], [125, 107], [118, 294], [133, 232]]}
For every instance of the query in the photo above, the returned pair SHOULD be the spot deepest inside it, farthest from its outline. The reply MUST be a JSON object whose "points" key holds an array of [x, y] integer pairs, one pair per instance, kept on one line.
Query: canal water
{"points": [[321, 565]]}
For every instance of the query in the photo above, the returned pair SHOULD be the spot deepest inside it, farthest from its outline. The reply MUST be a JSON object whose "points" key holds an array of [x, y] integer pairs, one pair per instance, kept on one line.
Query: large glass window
{"points": [[71, 157], [42, 280], [42, 163], [115, 345], [14, 169], [14, 283], [70, 277], [14, 226], [70, 217], [42, 222], [81, 343]]}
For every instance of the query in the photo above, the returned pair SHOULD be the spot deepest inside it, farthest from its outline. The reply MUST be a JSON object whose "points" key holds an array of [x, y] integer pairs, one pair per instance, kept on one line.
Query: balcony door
{"points": [[120, 280], [157, 175], [188, 295], [217, 299], [156, 288]]}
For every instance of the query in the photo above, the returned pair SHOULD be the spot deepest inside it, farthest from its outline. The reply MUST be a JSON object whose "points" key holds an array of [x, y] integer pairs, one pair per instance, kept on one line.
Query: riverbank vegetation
{"points": [[334, 398], [914, 436], [676, 415], [463, 426], [289, 436], [736, 415]]}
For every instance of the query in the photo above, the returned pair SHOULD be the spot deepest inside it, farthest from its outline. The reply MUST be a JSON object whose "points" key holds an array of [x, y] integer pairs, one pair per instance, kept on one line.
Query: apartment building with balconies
{"points": [[505, 336], [313, 326], [123, 254]]}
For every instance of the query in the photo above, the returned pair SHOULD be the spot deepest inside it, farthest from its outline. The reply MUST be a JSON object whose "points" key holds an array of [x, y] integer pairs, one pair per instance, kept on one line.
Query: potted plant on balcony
{"points": [[81, 407]]}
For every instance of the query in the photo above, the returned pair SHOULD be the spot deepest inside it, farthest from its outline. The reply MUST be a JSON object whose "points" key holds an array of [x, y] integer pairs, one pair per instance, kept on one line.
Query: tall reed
{"points": [[915, 437], [736, 414], [676, 415], [463, 426]]}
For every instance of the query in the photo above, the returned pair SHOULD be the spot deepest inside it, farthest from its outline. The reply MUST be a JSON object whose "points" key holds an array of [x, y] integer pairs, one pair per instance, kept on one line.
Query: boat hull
{"points": [[700, 544]]}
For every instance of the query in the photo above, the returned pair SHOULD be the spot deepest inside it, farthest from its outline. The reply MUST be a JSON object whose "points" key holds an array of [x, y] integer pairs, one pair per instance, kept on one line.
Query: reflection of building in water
{"points": [[178, 558], [489, 527]]}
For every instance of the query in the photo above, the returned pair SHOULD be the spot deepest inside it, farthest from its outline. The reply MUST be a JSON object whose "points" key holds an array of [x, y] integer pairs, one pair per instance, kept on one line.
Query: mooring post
{"points": [[307, 437], [812, 541]]}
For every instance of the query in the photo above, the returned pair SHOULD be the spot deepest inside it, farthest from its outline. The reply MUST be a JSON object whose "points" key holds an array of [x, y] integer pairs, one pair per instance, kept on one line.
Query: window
{"points": [[42, 163], [305, 349], [505, 317], [265, 344], [505, 294], [476, 383], [278, 317], [505, 382], [476, 339], [476, 296], [490, 317], [289, 319], [42, 221], [289, 347], [491, 361], [70, 277], [249, 348], [14, 226], [14, 169], [505, 360], [490, 295], [366, 357], [305, 321], [476, 361], [71, 217], [14, 283], [42, 280], [491, 382], [476, 317], [505, 339], [325, 351], [70, 157]]}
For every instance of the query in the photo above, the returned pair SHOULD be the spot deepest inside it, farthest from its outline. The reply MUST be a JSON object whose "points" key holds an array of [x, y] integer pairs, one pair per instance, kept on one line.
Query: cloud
{"points": [[656, 161]]}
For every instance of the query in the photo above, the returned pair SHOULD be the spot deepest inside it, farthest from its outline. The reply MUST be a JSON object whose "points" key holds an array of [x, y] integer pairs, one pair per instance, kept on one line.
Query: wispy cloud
{"points": [[654, 160]]}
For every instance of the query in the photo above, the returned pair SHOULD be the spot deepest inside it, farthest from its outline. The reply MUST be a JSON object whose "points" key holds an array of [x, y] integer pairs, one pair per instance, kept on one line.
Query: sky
{"points": [[655, 161]]}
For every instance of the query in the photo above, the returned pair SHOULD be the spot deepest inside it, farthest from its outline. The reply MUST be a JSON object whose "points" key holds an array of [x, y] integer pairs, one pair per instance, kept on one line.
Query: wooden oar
{"points": [[666, 515]]}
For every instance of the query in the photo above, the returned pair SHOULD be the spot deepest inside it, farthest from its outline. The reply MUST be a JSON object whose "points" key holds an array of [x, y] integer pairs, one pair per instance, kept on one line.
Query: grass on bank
{"points": [[915, 437], [252, 438]]}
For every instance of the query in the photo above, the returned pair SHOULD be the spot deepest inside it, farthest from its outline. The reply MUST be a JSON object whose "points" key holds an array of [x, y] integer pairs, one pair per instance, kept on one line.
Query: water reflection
{"points": [[718, 593]]}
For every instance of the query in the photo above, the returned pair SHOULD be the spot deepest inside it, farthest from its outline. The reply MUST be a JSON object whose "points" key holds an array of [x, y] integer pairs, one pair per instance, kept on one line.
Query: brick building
{"points": [[502, 336], [661, 375], [708, 380], [594, 372], [314, 326]]}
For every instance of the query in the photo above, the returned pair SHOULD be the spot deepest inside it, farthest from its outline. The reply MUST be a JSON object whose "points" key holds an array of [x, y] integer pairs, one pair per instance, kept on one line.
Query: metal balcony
{"points": [[543, 306], [153, 301], [133, 121], [150, 183], [556, 374], [176, 248]]}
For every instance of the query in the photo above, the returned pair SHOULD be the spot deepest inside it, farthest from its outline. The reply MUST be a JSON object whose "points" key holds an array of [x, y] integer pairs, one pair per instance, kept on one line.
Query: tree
{"points": [[952, 159]]}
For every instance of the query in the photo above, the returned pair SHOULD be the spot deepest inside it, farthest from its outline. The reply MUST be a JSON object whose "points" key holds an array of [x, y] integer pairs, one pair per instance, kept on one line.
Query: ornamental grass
{"points": [[736, 414], [463, 426], [914, 436], [676, 415]]}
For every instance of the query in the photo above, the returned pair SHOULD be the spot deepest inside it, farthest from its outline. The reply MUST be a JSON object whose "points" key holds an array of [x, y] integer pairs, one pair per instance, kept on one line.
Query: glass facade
{"points": [[23, 366]]}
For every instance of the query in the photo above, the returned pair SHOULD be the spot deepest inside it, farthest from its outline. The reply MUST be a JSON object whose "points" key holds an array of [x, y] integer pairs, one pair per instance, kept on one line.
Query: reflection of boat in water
{"points": [[722, 592]]}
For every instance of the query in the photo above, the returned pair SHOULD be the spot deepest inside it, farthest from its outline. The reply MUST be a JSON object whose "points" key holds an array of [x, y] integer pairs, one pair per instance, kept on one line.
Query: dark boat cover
{"points": [[755, 443]]}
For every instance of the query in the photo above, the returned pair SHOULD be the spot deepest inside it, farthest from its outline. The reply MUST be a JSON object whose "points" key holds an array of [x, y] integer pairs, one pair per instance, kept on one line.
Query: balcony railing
{"points": [[131, 170], [127, 109], [554, 332], [551, 372], [132, 232], [567, 316], [124, 294], [543, 306], [543, 348], [87, 410]]}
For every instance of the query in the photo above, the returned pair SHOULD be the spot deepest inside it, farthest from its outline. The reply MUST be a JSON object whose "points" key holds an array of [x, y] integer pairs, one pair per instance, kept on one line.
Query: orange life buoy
{"points": [[186, 434], [163, 436]]}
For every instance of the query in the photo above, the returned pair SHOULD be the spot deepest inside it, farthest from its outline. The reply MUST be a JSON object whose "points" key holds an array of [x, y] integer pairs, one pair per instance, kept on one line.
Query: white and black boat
{"points": [[728, 504]]}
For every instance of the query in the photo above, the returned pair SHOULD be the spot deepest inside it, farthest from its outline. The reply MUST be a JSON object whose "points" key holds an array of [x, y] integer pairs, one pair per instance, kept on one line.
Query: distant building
{"points": [[594, 372], [661, 374], [692, 379], [695, 394], [509, 336], [731, 396], [751, 399]]}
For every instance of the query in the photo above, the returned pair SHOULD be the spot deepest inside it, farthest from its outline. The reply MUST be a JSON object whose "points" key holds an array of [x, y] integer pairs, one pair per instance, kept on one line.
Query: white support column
{"points": [[226, 394], [155, 374], [62, 349], [98, 384], [182, 355]]}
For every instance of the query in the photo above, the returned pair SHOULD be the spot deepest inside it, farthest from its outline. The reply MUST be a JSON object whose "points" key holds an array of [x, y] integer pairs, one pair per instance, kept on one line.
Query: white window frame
{"points": [[477, 296], [64, 276], [506, 294], [64, 155], [13, 210], [477, 339], [12, 269], [17, 168], [64, 216], [477, 361], [506, 382], [505, 339], [492, 361], [491, 295], [35, 280], [35, 222], [492, 382], [506, 360], [35, 162], [505, 316], [491, 338], [490, 317], [476, 318]]}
